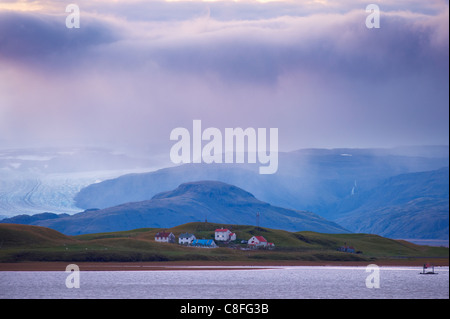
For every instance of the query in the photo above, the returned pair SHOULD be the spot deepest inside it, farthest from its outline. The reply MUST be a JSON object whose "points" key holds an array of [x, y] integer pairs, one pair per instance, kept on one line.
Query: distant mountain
{"points": [[196, 201], [31, 219], [414, 205], [329, 182], [311, 179]]}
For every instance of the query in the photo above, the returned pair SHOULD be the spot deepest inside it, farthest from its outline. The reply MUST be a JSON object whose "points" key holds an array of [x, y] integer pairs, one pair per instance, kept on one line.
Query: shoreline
{"points": [[210, 265]]}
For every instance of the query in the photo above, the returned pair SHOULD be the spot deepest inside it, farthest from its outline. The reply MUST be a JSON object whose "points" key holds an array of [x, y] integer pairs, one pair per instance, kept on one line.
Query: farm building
{"points": [[204, 243], [259, 241], [186, 239], [347, 249], [164, 237], [223, 234]]}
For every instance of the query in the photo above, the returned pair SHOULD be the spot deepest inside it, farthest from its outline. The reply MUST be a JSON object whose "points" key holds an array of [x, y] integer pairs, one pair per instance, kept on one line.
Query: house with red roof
{"points": [[259, 242], [223, 234], [164, 237]]}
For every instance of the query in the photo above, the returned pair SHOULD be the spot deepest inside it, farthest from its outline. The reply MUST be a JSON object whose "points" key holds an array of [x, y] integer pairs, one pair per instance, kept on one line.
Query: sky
{"points": [[136, 69]]}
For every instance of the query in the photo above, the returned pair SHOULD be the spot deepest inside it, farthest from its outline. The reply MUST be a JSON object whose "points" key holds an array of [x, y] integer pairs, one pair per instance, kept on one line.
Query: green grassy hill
{"points": [[15, 235], [34, 243]]}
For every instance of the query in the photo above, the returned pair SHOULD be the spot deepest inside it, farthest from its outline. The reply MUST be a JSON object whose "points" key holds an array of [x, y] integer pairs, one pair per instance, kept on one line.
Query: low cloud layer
{"points": [[134, 71]]}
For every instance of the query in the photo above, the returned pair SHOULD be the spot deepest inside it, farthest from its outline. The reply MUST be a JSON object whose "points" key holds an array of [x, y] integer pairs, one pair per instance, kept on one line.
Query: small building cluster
{"points": [[221, 234], [347, 249]]}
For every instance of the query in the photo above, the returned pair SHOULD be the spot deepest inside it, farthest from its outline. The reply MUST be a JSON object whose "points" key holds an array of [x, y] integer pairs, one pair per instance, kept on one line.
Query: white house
{"points": [[164, 237], [186, 239], [259, 241], [223, 234]]}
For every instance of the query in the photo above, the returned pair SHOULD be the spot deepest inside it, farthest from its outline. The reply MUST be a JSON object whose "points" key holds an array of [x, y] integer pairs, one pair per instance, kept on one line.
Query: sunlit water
{"points": [[279, 283]]}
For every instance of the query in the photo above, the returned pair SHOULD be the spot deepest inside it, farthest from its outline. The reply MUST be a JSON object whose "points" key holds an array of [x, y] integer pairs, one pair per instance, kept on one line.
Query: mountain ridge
{"points": [[191, 202], [307, 179], [414, 205]]}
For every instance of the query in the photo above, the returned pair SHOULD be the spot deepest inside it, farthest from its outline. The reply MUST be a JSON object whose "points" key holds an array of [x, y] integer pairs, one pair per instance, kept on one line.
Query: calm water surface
{"points": [[279, 283]]}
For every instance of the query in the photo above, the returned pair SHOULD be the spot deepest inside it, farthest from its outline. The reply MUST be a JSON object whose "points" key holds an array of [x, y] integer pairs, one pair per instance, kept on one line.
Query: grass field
{"points": [[19, 243]]}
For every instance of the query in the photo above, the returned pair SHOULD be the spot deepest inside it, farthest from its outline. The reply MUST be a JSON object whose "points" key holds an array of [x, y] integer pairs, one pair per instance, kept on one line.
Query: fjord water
{"points": [[279, 283]]}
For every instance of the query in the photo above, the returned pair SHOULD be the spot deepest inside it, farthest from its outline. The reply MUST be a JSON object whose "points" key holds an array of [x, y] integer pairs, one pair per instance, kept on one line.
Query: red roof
{"points": [[261, 238], [162, 234], [222, 230]]}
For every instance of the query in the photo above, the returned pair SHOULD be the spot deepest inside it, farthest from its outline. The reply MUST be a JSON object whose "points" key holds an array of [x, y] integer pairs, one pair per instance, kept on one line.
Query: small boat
{"points": [[428, 270]]}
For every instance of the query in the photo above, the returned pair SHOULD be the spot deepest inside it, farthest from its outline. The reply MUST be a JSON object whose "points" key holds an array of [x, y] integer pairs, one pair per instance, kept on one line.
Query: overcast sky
{"points": [[135, 70]]}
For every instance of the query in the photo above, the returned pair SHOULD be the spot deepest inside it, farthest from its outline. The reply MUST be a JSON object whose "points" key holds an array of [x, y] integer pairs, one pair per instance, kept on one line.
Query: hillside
{"points": [[14, 235], [195, 201], [32, 243], [414, 205]]}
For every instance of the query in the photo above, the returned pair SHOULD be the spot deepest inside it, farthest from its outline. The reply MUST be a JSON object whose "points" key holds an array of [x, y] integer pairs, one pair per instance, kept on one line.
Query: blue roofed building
{"points": [[204, 243]]}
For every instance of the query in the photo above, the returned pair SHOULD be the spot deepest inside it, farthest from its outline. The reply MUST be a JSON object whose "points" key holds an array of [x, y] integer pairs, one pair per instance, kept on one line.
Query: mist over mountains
{"points": [[36, 180], [414, 205], [398, 193], [349, 186], [306, 179]]}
